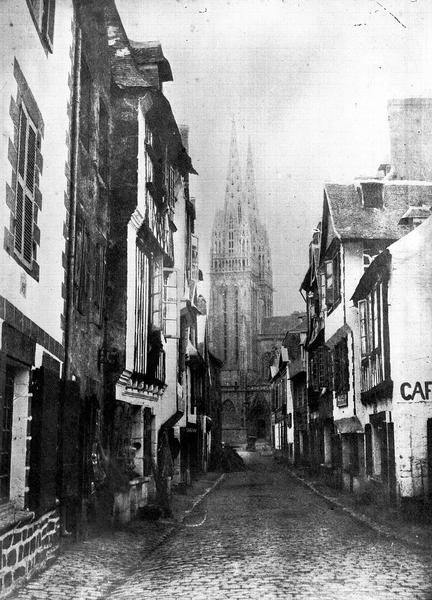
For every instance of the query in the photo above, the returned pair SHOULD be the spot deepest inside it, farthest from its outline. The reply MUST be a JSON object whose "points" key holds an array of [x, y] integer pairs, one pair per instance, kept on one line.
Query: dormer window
{"points": [[371, 193]]}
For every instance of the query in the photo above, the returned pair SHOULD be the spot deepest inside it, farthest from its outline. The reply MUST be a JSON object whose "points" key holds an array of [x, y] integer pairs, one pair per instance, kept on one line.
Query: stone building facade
{"points": [[241, 300], [365, 432], [36, 81]]}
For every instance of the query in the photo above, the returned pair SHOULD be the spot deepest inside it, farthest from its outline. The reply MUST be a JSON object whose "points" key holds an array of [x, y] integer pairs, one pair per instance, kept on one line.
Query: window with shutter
{"points": [[170, 309], [43, 12], [142, 276], [329, 283], [371, 316], [25, 188], [156, 294]]}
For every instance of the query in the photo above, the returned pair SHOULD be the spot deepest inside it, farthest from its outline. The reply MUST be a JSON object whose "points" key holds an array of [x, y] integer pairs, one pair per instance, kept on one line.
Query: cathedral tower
{"points": [[241, 294]]}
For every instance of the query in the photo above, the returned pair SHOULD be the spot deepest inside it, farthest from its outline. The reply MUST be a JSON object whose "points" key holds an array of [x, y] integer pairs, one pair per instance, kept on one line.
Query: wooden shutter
{"points": [[368, 449], [156, 294], [345, 362], [70, 440], [336, 278], [43, 449], [384, 453], [24, 194], [170, 304], [329, 283], [147, 442], [142, 278], [48, 21], [391, 461]]}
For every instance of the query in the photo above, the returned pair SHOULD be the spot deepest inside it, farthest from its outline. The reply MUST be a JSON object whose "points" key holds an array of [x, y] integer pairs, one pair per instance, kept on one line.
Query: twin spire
{"points": [[239, 196]]}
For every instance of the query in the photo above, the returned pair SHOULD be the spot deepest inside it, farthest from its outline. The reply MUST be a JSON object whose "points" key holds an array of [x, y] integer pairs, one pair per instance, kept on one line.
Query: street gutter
{"points": [[383, 530]]}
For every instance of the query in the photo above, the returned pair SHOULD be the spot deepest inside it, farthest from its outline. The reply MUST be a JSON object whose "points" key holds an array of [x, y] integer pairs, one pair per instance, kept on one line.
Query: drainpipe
{"points": [[72, 201]]}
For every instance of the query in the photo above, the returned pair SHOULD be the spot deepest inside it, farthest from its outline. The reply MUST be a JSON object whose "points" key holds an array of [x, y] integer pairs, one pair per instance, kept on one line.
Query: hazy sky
{"points": [[307, 80]]}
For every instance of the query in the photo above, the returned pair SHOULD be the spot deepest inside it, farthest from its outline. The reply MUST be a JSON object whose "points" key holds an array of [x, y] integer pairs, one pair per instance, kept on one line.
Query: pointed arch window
{"points": [[231, 240]]}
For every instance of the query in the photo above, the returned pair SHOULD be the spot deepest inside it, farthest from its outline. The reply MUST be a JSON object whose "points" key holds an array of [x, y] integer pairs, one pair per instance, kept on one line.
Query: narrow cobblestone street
{"points": [[263, 535], [260, 534]]}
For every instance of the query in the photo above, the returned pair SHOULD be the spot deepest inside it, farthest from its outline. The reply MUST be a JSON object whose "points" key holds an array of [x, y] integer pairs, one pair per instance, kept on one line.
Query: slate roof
{"points": [[281, 324], [352, 220]]}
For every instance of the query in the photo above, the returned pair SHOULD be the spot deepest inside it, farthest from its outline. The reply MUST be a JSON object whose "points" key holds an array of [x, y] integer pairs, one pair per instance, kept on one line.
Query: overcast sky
{"points": [[307, 80]]}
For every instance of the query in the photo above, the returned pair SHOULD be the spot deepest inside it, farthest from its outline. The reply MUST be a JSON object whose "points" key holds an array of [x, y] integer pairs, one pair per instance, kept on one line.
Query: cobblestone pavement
{"points": [[89, 569], [264, 535], [261, 534]]}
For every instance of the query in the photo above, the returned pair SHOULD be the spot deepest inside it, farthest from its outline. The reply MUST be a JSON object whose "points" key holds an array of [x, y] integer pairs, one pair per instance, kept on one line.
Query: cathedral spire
{"points": [[233, 185], [249, 188]]}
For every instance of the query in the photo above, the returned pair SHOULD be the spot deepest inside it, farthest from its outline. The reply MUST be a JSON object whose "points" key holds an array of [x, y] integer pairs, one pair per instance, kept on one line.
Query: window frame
{"points": [[372, 348]]}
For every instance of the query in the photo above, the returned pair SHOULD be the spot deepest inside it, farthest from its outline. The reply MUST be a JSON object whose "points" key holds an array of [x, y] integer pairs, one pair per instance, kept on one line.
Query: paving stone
{"points": [[260, 535]]}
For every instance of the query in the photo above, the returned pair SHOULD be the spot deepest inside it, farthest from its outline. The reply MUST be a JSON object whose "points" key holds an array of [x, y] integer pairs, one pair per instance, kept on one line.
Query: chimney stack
{"points": [[410, 122], [184, 134]]}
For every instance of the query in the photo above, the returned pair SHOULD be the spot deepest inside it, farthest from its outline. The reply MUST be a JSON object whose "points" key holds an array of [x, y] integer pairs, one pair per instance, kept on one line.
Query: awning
{"points": [[349, 425]]}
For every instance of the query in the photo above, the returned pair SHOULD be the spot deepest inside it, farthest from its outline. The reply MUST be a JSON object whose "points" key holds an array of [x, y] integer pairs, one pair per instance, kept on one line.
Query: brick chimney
{"points": [[410, 122]]}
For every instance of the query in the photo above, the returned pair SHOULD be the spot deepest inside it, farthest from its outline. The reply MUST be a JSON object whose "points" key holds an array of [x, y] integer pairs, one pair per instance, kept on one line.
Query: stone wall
{"points": [[27, 548]]}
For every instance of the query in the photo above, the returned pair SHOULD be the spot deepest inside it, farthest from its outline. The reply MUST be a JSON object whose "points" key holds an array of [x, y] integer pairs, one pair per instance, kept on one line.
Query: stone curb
{"points": [[383, 530], [201, 497], [180, 522]]}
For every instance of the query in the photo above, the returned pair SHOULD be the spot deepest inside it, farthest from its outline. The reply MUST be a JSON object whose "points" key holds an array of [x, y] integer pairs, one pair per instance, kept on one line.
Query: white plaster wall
{"points": [[47, 76], [410, 321], [290, 407], [345, 316]]}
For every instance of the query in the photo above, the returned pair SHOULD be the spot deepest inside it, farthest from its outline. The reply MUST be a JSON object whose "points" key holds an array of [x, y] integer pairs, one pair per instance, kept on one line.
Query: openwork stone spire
{"points": [[249, 187], [234, 184]]}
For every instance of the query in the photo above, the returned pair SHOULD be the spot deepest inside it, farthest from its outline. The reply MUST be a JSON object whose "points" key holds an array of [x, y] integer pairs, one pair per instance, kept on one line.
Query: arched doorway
{"points": [[258, 419]]}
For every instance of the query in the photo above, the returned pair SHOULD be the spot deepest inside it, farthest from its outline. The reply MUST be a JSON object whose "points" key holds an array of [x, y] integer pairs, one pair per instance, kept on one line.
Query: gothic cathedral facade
{"points": [[241, 298]]}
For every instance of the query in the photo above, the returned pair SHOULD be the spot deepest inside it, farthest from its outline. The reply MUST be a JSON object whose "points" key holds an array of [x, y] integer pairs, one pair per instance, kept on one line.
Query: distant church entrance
{"points": [[259, 420]]}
